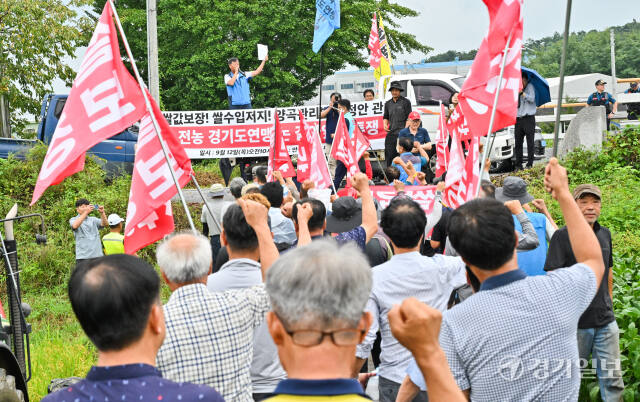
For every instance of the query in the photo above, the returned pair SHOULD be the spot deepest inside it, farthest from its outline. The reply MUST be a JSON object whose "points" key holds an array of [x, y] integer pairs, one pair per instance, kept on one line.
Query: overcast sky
{"points": [[461, 24]]}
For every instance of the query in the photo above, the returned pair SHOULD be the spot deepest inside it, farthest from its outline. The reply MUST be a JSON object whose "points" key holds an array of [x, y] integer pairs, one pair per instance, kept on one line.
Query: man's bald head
{"points": [[184, 257]]}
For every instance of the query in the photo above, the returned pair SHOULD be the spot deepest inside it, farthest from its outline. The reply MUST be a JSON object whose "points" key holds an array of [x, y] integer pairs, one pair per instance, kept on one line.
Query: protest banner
{"points": [[423, 195], [246, 133]]}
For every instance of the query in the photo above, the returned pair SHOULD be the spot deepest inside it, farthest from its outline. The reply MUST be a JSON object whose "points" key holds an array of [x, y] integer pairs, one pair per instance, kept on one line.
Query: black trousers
{"points": [[525, 128], [390, 146]]}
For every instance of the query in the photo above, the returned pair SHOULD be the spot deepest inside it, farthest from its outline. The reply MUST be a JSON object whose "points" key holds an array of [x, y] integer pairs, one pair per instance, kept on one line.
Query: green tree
{"points": [[195, 39], [451, 55], [37, 39]]}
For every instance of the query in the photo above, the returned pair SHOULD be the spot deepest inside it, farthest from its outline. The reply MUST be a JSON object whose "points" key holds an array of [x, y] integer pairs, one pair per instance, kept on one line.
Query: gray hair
{"points": [[184, 257], [320, 283], [235, 186]]}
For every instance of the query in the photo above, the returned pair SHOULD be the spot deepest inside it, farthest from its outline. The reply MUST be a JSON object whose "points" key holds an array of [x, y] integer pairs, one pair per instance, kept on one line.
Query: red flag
{"points": [[471, 176], [478, 92], [149, 216], [361, 142], [279, 158], [442, 150], [455, 172], [458, 122], [304, 151], [343, 148], [317, 168], [375, 53], [104, 100]]}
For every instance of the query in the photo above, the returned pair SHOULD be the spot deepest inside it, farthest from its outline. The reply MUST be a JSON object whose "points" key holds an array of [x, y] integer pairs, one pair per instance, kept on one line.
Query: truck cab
{"points": [[426, 92]]}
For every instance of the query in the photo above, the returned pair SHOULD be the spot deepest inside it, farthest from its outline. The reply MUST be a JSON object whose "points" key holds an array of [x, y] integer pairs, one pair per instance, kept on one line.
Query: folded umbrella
{"points": [[540, 85]]}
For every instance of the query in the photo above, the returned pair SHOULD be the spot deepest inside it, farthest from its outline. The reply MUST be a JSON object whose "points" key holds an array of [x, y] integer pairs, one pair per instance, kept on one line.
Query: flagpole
{"points": [[493, 111], [215, 219], [153, 117]]}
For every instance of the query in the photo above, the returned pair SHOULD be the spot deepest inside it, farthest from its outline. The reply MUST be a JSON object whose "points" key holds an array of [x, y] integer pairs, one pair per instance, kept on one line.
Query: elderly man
{"points": [[210, 335], [116, 299], [240, 272], [318, 293]]}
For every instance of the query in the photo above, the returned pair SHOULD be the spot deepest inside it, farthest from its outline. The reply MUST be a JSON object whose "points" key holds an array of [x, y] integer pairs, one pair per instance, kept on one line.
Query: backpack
{"points": [[378, 250]]}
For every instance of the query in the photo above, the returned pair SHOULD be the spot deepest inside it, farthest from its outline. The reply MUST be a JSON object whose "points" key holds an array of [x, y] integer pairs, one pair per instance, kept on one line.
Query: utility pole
{"points": [[5, 128], [152, 49], [614, 80]]}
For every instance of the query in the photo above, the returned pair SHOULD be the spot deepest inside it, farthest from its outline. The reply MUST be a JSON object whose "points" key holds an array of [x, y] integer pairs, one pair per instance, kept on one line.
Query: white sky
{"points": [[461, 24]]}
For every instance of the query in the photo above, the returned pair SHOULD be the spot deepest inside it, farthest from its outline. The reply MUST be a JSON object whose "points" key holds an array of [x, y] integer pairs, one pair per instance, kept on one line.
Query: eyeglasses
{"points": [[340, 337]]}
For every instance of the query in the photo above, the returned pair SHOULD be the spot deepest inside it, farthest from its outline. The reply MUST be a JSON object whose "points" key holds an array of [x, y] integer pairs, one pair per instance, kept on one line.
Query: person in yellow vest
{"points": [[113, 242]]}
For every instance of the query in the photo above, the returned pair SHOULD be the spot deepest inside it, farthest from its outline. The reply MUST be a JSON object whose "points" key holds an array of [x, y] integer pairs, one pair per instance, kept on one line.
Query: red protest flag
{"points": [[149, 216], [279, 158], [317, 168], [471, 177], [455, 172], [442, 150], [304, 151], [458, 122], [343, 148], [361, 142], [479, 89], [375, 53], [104, 100]]}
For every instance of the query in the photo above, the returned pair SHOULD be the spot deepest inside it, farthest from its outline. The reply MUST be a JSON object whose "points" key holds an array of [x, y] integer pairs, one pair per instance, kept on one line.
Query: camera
{"points": [[96, 206]]}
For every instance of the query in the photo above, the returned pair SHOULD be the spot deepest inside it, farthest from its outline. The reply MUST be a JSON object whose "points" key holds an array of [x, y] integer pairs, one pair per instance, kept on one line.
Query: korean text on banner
{"points": [[327, 20], [375, 54], [278, 154], [442, 150], [385, 51], [149, 216], [479, 89], [423, 195], [455, 172], [104, 100]]}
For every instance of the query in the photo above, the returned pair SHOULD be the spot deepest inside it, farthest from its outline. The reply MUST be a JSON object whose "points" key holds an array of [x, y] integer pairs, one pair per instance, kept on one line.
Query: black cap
{"points": [[346, 215], [600, 82], [396, 85]]}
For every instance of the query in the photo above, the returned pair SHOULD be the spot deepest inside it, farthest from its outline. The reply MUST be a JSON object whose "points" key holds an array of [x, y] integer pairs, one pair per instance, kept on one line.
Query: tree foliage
{"points": [[587, 52], [451, 55], [37, 39], [196, 37]]}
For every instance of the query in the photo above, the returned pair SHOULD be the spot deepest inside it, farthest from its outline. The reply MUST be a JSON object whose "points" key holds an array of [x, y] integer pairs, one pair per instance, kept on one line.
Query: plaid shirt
{"points": [[210, 337]]}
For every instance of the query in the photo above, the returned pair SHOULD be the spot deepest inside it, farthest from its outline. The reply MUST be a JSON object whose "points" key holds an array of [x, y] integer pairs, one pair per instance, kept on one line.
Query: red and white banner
{"points": [[312, 164], [278, 155], [375, 53], [104, 100], [442, 150], [360, 142], [478, 91], [457, 125], [423, 195], [455, 172], [149, 216], [343, 148], [246, 132], [471, 178]]}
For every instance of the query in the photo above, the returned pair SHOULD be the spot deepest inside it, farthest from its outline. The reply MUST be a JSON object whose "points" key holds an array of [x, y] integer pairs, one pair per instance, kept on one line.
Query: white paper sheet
{"points": [[262, 51]]}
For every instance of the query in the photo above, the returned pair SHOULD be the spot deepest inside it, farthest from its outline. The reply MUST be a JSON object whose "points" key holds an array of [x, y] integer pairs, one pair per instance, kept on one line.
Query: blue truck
{"points": [[114, 154]]}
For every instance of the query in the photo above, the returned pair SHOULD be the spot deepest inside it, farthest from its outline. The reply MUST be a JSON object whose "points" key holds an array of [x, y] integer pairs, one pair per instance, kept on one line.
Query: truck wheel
{"points": [[8, 391]]}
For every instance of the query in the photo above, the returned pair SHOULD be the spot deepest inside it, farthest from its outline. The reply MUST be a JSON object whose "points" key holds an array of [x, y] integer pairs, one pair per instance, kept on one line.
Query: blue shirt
{"points": [[515, 340], [532, 261], [422, 135], [351, 123], [330, 126], [604, 98], [239, 91], [282, 227], [416, 161], [131, 382]]}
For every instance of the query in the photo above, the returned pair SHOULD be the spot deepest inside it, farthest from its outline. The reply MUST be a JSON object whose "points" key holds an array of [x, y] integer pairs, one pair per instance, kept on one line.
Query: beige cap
{"points": [[586, 189]]}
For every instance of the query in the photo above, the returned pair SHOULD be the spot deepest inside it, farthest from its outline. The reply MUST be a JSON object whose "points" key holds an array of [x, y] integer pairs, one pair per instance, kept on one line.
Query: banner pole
{"points": [[493, 111], [565, 38], [215, 219], [153, 117]]}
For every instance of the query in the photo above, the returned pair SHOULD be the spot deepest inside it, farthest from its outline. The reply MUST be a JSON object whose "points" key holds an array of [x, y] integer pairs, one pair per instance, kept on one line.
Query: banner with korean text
{"points": [[423, 195], [246, 133]]}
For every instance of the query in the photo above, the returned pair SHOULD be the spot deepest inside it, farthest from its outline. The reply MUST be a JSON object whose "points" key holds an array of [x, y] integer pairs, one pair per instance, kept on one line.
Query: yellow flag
{"points": [[385, 60]]}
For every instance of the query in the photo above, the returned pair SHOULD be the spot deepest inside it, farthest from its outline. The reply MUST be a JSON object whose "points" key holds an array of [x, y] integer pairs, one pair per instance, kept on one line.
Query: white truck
{"points": [[426, 91]]}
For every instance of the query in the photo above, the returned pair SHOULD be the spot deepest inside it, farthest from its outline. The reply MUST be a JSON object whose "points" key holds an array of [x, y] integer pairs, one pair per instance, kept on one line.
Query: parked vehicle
{"points": [[114, 154]]}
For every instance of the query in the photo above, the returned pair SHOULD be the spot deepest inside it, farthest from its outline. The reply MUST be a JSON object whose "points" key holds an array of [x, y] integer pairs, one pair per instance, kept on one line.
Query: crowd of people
{"points": [[291, 296], [293, 293]]}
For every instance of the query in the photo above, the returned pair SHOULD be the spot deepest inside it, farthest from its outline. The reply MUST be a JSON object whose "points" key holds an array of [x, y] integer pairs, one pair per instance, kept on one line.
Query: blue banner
{"points": [[327, 20]]}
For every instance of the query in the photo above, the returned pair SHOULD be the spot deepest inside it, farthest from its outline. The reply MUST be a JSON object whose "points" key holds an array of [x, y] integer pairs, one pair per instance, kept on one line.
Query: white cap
{"points": [[114, 219]]}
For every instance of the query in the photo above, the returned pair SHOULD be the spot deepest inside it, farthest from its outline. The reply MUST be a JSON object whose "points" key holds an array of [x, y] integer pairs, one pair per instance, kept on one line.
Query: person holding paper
{"points": [[237, 82]]}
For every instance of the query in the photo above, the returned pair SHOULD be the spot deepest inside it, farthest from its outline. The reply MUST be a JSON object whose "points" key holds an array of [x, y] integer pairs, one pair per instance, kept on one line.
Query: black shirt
{"points": [[441, 231], [397, 113], [560, 255]]}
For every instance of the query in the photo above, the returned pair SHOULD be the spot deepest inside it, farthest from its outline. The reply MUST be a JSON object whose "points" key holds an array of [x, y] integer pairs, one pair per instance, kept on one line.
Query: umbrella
{"points": [[540, 85]]}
